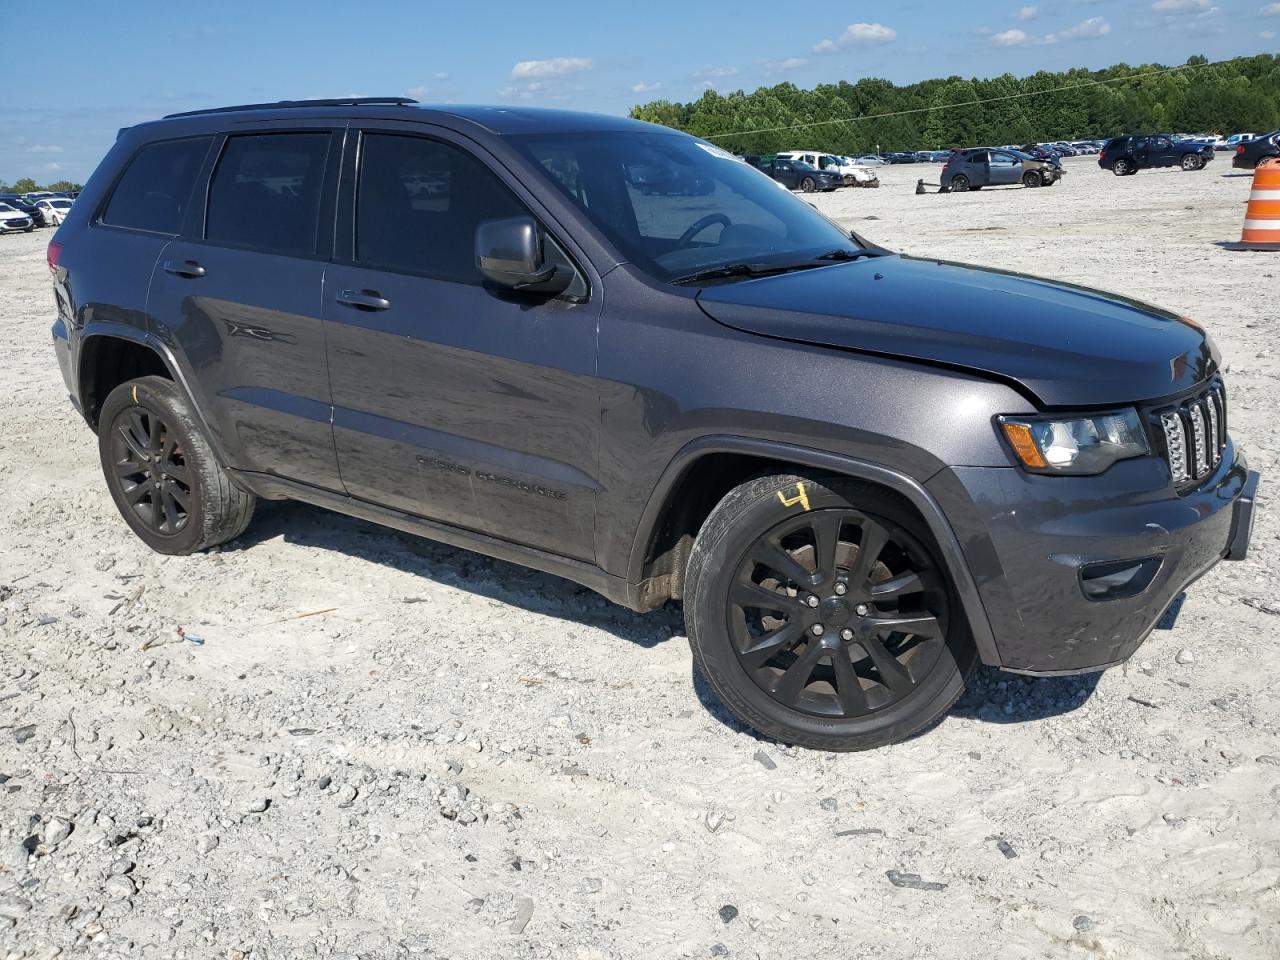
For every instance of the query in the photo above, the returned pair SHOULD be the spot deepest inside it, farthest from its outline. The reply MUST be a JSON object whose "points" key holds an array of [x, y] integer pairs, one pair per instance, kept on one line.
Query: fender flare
{"points": [[94, 331], [910, 488]]}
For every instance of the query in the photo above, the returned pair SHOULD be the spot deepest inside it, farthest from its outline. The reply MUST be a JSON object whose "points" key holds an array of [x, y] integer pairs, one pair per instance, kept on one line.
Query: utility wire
{"points": [[972, 103]]}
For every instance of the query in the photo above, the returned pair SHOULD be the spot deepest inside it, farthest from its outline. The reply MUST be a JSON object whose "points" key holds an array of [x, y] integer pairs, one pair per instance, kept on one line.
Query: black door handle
{"points": [[363, 300], [184, 268]]}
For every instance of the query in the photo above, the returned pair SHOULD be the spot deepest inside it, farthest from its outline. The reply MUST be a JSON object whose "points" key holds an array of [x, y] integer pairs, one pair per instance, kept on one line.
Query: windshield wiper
{"points": [[737, 270], [846, 255]]}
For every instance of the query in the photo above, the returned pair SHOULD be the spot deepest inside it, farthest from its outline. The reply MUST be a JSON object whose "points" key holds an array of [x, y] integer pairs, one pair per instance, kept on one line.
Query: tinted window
{"points": [[156, 187], [418, 205], [266, 192]]}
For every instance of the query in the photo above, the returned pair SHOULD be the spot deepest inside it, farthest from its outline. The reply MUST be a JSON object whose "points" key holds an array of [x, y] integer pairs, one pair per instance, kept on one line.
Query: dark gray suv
{"points": [[527, 334]]}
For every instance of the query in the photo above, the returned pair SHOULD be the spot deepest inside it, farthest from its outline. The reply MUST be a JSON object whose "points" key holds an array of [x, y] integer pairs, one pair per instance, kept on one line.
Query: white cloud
{"points": [[44, 148], [1267, 35], [1271, 10], [1027, 13], [1009, 38], [859, 34], [441, 75], [555, 67], [417, 92], [1179, 6], [643, 87], [54, 166], [1085, 30], [789, 63], [713, 71]]}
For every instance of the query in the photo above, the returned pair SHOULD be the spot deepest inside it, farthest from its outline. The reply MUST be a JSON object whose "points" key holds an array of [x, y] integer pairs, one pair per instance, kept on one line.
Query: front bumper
{"points": [[1033, 542]]}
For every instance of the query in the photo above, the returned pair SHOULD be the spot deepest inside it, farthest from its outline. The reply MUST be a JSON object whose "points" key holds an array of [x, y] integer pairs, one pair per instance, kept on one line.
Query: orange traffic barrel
{"points": [[1262, 218]]}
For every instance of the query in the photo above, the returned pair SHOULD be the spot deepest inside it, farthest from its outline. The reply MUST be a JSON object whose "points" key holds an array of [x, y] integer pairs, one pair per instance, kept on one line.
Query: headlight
{"points": [[1075, 445]]}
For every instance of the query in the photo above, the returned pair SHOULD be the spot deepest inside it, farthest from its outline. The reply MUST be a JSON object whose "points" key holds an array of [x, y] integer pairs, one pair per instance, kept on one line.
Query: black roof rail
{"points": [[288, 104]]}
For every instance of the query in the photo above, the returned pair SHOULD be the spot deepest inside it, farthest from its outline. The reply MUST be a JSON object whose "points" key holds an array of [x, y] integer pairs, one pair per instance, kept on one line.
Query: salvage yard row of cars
{"points": [[23, 213]]}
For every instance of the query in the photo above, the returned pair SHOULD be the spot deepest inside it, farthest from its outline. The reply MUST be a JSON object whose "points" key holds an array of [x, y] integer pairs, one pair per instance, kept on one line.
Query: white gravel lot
{"points": [[459, 758]]}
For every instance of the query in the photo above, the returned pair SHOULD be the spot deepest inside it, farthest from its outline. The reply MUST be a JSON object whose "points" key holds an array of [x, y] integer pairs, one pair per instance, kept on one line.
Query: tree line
{"points": [[27, 185], [1233, 96]]}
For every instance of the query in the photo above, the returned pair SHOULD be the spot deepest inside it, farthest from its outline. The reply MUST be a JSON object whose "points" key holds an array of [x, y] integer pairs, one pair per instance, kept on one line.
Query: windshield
{"points": [[60, 204], [7, 208], [675, 206]]}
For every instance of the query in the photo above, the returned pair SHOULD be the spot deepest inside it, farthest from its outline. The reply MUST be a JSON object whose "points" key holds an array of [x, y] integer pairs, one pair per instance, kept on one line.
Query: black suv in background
{"points": [[861, 472], [1125, 156], [798, 175]]}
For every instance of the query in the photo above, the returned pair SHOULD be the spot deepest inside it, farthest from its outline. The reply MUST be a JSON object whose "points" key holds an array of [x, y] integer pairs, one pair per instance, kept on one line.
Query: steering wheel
{"points": [[687, 237]]}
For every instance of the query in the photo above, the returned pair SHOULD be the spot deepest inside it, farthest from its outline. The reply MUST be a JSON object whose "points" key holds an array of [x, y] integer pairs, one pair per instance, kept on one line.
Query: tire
{"points": [[1192, 162], [808, 185], [28, 229], [147, 426], [1122, 168], [959, 183], [1032, 179], [832, 675]]}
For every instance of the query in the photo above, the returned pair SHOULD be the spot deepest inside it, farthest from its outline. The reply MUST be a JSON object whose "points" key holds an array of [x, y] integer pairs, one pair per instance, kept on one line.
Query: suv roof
{"points": [[497, 120]]}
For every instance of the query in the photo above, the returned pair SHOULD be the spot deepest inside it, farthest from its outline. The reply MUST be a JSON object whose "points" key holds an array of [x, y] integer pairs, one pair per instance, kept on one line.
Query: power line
{"points": [[972, 103]]}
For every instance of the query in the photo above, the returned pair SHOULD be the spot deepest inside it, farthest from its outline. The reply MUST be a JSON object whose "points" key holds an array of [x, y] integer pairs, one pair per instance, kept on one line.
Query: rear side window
{"points": [[266, 190], [419, 203], [156, 186]]}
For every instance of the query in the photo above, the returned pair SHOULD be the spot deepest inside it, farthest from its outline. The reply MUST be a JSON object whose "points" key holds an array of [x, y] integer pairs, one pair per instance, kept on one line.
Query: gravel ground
{"points": [[381, 747]]}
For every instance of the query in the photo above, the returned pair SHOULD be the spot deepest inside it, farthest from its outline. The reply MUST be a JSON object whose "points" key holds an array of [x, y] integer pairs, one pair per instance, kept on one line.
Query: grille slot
{"points": [[1194, 430]]}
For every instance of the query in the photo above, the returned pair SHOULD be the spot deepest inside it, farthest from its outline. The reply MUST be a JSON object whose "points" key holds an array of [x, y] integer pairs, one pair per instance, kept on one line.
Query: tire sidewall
{"points": [[714, 565], [161, 396]]}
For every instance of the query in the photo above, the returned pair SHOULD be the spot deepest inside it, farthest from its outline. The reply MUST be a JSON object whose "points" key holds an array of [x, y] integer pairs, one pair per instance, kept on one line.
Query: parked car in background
{"points": [[978, 167], [1250, 154], [1125, 156], [53, 210], [13, 220], [30, 209], [870, 160], [798, 175], [850, 173], [1230, 143]]}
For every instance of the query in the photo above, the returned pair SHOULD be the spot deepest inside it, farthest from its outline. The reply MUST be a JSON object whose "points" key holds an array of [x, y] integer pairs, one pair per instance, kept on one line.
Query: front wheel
{"points": [[1192, 162], [820, 614], [162, 473], [808, 185], [1031, 179]]}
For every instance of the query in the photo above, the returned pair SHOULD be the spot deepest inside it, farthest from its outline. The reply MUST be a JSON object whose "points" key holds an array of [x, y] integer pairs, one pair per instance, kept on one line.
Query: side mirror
{"points": [[509, 254]]}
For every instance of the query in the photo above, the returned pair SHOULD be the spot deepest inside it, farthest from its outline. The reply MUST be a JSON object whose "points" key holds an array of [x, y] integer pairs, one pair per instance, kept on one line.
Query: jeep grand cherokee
{"points": [[861, 472]]}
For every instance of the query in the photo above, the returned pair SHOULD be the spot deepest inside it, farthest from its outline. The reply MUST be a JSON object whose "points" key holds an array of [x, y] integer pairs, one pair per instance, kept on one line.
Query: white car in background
{"points": [[12, 220], [870, 160], [854, 175], [54, 210]]}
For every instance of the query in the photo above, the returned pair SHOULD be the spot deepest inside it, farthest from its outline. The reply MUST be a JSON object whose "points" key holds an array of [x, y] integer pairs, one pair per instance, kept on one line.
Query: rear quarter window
{"points": [[155, 189]]}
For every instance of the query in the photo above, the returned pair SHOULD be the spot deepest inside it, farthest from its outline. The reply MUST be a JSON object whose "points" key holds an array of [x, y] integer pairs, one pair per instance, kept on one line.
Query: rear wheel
{"points": [[1122, 168], [819, 613], [959, 183], [162, 473], [1192, 161]]}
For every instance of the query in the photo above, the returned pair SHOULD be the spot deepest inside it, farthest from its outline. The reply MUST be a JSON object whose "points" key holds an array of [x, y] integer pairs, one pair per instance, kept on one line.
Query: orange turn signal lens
{"points": [[1024, 445]]}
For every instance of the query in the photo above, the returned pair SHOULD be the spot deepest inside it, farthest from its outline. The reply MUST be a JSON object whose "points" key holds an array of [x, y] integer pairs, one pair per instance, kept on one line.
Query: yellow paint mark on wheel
{"points": [[801, 497]]}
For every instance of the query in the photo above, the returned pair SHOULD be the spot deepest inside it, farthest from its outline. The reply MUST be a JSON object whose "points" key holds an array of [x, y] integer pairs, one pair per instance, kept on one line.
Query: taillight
{"points": [[53, 255], [1240, 149]]}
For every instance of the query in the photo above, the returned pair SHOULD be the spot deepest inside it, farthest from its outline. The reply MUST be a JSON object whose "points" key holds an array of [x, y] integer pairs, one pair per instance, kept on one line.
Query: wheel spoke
{"points": [[127, 468], [920, 625], [853, 699], [874, 539], [156, 511], [170, 507], [893, 673], [137, 448], [764, 647], [902, 585], [779, 561], [754, 596], [826, 533], [183, 497], [792, 683], [135, 493]]}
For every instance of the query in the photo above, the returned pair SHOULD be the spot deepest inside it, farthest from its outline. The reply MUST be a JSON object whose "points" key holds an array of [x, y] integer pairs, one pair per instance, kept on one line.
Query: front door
{"points": [[239, 295], [1005, 168], [453, 400]]}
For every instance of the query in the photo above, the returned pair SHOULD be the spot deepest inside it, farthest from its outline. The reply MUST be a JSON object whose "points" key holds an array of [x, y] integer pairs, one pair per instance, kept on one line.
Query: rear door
{"points": [[454, 400], [239, 294]]}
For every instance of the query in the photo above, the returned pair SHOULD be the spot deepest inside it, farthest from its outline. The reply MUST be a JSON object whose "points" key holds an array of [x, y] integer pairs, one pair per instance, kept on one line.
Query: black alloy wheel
{"points": [[808, 185], [150, 470], [960, 183], [837, 613]]}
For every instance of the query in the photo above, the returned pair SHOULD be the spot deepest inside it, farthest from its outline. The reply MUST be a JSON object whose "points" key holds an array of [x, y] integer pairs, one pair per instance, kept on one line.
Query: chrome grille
{"points": [[1195, 434]]}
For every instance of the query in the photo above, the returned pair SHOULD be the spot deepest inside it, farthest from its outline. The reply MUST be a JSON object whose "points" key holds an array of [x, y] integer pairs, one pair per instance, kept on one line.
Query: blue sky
{"points": [[116, 63]]}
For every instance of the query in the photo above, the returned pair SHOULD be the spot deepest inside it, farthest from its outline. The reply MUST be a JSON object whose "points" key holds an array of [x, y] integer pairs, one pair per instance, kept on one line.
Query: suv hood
{"points": [[1066, 345]]}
